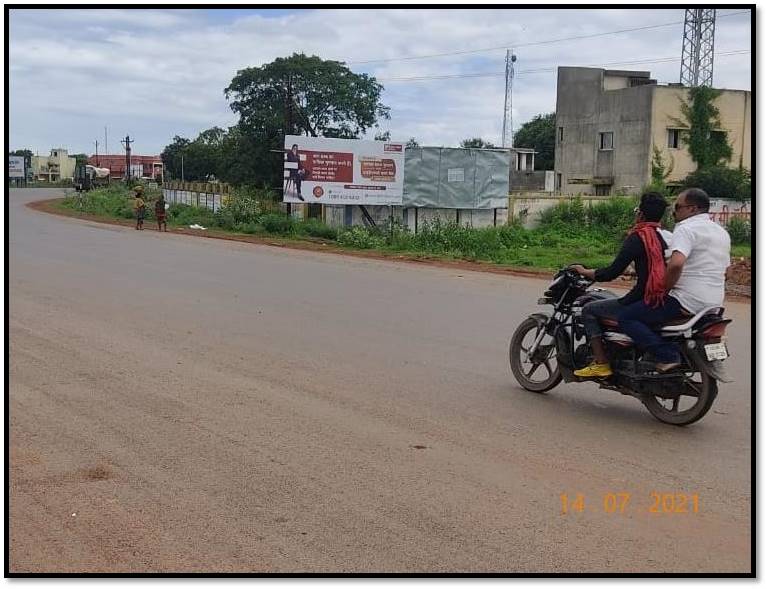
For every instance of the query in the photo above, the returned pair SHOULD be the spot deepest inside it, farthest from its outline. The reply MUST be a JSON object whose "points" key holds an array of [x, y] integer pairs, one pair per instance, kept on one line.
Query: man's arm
{"points": [[674, 269]]}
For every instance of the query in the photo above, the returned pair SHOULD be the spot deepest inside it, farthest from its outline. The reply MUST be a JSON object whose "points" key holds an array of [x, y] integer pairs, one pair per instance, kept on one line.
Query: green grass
{"points": [[568, 233]]}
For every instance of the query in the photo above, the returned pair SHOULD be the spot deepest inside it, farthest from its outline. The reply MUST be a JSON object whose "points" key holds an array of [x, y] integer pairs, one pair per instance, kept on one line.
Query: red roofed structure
{"points": [[146, 166]]}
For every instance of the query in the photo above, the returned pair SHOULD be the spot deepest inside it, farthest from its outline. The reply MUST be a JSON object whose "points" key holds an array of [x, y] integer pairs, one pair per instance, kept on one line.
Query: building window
{"points": [[561, 134], [559, 181], [606, 140], [674, 138], [602, 190]]}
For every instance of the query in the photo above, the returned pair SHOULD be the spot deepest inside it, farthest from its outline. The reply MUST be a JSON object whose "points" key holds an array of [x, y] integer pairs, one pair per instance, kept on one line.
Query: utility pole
{"points": [[507, 137], [697, 67], [106, 145], [98, 164], [126, 144], [182, 167], [289, 124]]}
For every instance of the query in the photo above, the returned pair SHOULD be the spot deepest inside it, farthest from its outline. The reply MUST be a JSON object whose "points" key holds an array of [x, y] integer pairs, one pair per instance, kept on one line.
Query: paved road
{"points": [[180, 404]]}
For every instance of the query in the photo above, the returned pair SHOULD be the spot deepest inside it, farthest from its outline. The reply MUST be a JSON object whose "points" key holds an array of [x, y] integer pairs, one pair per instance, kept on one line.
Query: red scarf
{"points": [[656, 266]]}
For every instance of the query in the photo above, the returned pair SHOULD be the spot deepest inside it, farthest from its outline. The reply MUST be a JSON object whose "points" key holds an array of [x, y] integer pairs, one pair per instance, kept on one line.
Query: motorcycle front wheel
{"points": [[540, 372], [695, 399]]}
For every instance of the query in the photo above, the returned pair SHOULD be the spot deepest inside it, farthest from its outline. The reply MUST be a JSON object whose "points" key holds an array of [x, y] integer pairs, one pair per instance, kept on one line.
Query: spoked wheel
{"points": [[538, 372], [695, 399]]}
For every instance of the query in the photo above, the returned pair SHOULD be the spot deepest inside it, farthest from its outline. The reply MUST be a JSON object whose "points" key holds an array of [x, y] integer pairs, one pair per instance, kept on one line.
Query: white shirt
{"points": [[707, 248]]}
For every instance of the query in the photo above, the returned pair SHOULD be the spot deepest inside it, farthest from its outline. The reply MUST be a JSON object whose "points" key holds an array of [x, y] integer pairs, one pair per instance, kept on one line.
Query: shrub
{"points": [[721, 182], [243, 205], [182, 214], [360, 238], [277, 223], [315, 228], [739, 230]]}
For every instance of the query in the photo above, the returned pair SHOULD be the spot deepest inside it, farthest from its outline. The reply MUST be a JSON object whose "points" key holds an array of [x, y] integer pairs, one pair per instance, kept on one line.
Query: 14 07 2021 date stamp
{"points": [[618, 503]]}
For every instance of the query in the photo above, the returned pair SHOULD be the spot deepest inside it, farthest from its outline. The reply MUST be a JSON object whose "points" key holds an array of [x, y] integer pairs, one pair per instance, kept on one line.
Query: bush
{"points": [[315, 228], [243, 205], [277, 223], [740, 231], [360, 238], [721, 182], [181, 214]]}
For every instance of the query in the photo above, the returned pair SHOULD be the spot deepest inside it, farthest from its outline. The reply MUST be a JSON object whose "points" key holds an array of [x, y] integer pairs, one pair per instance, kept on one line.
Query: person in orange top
{"points": [[159, 213]]}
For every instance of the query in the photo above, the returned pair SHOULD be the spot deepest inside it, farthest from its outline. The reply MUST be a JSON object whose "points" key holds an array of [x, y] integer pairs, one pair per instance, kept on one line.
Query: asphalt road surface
{"points": [[181, 404]]}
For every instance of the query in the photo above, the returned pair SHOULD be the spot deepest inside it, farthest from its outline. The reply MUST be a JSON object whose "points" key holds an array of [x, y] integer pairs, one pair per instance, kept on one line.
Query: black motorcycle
{"points": [[546, 348]]}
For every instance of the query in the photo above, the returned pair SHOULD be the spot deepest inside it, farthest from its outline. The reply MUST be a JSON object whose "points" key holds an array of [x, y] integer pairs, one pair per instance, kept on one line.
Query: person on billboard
{"points": [[296, 174]]}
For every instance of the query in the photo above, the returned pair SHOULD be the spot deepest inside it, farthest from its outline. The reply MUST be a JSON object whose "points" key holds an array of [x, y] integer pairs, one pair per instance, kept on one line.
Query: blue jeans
{"points": [[635, 320], [600, 308]]}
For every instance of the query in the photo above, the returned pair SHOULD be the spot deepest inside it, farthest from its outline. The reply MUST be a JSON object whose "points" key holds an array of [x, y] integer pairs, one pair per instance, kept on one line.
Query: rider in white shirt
{"points": [[695, 274]]}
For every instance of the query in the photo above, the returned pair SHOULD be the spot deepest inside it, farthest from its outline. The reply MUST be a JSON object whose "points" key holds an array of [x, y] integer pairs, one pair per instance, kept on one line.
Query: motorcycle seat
{"points": [[689, 322], [675, 326]]}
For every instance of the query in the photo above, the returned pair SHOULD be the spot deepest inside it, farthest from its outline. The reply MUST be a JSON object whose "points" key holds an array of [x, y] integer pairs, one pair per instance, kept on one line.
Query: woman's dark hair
{"points": [[295, 146], [697, 197], [653, 205]]}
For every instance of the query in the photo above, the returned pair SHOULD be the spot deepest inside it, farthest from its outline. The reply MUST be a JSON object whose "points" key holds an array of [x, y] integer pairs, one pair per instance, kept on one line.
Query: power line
{"points": [[533, 43], [552, 69]]}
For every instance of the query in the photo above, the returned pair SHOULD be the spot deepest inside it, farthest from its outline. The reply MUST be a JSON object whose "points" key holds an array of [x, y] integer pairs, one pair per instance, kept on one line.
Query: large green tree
{"points": [[305, 95], [296, 95], [540, 134]]}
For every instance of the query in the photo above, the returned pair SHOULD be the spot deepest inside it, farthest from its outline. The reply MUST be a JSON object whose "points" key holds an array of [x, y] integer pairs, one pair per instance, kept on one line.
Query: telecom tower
{"points": [[507, 137], [698, 47]]}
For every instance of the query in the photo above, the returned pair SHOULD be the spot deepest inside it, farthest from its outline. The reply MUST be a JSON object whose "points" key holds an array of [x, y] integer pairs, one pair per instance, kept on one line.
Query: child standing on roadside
{"points": [[159, 213], [139, 206]]}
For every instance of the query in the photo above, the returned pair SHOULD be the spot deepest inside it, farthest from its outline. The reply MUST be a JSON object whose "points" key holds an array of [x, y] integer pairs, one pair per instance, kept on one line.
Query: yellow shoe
{"points": [[594, 371]]}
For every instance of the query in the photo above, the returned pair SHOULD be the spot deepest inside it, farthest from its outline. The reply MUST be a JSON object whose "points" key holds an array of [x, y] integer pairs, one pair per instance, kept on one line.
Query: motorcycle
{"points": [[547, 348]]}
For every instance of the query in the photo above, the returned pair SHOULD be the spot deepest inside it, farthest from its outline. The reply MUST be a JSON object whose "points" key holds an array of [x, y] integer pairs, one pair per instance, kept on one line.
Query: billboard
{"points": [[343, 171], [16, 166]]}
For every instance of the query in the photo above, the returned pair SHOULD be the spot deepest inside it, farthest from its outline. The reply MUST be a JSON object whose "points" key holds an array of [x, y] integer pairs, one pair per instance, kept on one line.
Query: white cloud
{"points": [[157, 73]]}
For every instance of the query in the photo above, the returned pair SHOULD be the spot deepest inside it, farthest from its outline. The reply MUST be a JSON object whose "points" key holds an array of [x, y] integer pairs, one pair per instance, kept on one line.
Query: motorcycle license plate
{"points": [[716, 351]]}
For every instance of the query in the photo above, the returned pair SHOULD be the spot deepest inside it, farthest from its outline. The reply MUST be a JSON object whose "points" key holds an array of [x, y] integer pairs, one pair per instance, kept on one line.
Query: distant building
{"points": [[59, 165], [608, 122], [146, 166]]}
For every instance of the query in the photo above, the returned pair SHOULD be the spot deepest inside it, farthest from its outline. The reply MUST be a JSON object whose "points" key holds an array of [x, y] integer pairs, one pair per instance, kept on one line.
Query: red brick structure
{"points": [[150, 165]]}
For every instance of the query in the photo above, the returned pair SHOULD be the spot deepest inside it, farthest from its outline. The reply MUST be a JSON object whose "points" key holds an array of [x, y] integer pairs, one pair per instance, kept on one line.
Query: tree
{"points": [[301, 95], [27, 153], [721, 181], [476, 142], [706, 142], [171, 157], [659, 172], [382, 136], [80, 159], [412, 143], [540, 134]]}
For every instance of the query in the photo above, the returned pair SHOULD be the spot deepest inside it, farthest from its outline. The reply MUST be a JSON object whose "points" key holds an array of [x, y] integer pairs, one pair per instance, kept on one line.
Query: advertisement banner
{"points": [[16, 166], [343, 171]]}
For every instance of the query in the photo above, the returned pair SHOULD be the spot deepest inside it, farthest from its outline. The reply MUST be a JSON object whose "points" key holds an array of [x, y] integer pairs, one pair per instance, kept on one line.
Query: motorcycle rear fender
{"points": [[714, 368]]}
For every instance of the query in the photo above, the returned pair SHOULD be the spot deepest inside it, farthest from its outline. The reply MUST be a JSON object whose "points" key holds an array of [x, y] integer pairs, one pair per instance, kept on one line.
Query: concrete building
{"points": [[608, 122], [59, 165]]}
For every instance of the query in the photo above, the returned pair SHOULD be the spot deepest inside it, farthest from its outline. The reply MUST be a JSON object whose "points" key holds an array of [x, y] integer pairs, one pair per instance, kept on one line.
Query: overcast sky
{"points": [[159, 73]]}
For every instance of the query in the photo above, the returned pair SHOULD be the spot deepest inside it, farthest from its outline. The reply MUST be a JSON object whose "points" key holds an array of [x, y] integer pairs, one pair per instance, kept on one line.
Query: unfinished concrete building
{"points": [[608, 122]]}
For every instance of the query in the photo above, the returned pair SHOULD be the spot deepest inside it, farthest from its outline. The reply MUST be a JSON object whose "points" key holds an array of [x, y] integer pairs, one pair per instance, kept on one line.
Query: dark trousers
{"points": [[594, 310], [636, 321]]}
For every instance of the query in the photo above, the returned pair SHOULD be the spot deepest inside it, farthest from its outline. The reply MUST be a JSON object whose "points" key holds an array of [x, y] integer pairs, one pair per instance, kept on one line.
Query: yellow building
{"points": [[56, 166], [735, 117]]}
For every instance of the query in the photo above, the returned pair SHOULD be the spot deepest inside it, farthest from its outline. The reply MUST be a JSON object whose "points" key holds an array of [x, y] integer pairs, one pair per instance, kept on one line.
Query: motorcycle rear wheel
{"points": [[698, 385], [523, 368]]}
